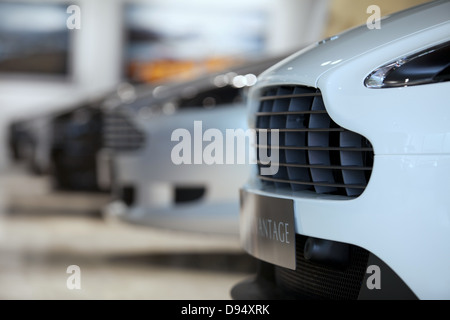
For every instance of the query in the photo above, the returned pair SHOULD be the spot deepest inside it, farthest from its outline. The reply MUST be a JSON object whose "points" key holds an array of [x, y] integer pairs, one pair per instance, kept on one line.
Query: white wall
{"points": [[98, 52], [295, 23]]}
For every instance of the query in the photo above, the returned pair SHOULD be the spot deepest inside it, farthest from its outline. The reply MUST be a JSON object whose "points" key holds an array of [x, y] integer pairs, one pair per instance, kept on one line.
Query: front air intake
{"points": [[315, 154], [119, 133]]}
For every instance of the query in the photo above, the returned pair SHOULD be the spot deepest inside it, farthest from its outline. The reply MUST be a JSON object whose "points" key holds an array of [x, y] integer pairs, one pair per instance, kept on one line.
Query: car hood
{"points": [[306, 66], [142, 95]]}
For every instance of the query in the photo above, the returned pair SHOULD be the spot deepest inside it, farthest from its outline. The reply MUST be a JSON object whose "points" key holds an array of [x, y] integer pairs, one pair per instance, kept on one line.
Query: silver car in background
{"points": [[148, 187]]}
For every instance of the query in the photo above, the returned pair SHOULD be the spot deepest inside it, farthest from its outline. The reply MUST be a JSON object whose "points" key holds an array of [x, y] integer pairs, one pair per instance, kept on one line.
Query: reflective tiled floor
{"points": [[42, 233]]}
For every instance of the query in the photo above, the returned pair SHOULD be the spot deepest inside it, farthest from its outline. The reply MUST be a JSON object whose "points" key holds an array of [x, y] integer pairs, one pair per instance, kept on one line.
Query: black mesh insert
{"points": [[316, 281], [128, 195], [188, 194]]}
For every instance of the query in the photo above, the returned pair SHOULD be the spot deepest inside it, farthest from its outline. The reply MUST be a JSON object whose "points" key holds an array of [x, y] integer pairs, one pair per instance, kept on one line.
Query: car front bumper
{"points": [[406, 224]]}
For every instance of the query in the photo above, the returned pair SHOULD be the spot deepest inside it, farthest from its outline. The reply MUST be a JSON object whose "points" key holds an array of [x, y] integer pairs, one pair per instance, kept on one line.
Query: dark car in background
{"points": [[28, 141], [76, 140]]}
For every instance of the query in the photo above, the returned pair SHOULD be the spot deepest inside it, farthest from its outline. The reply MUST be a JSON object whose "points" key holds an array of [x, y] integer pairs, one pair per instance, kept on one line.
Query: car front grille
{"points": [[315, 153], [119, 133], [319, 281]]}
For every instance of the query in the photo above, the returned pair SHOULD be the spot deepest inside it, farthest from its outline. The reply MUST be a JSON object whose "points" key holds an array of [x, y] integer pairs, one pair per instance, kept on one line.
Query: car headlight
{"points": [[428, 66]]}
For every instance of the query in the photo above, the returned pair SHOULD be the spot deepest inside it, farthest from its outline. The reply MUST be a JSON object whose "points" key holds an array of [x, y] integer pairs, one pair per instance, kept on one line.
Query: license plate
{"points": [[267, 229]]}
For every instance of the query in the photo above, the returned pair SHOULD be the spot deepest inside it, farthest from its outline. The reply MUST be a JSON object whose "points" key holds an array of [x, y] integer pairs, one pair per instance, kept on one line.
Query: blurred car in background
{"points": [[19, 141], [76, 138], [62, 143], [29, 143], [362, 180], [148, 188]]}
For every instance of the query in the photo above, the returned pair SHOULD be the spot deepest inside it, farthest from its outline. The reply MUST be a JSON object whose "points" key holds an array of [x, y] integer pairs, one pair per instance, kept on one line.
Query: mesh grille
{"points": [[314, 281], [315, 153], [120, 134]]}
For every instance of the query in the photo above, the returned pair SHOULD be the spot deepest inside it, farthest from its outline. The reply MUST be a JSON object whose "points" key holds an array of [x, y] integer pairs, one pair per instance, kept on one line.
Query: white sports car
{"points": [[356, 203]]}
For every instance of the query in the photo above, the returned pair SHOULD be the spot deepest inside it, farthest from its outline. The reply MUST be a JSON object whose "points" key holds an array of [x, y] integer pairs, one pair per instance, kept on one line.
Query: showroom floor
{"points": [[42, 233]]}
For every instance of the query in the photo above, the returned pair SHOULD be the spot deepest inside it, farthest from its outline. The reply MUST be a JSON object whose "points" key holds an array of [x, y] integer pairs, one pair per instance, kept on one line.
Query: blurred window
{"points": [[34, 39]]}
